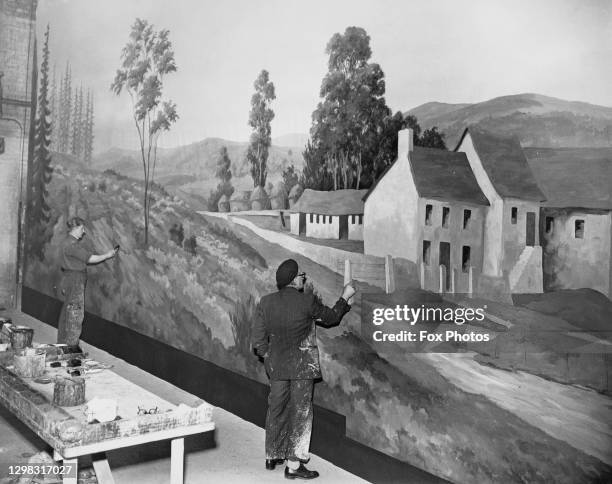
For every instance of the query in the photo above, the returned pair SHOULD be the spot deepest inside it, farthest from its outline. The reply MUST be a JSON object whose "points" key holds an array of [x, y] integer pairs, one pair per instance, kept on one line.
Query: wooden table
{"points": [[66, 429]]}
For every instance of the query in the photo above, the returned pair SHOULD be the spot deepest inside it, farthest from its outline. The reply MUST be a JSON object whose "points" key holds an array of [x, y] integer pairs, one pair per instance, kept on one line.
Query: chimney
{"points": [[405, 143]]}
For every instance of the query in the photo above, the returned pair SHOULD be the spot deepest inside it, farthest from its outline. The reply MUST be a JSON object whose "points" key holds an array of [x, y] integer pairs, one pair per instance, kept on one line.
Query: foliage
{"points": [[145, 60], [348, 123], [260, 119], [191, 244], [245, 250], [224, 174], [242, 318], [102, 186], [177, 234], [39, 211], [290, 178], [432, 138], [64, 114]]}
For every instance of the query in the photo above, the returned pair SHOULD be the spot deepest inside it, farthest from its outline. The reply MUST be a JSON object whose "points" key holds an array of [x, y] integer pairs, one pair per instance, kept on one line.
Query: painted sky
{"points": [[441, 50]]}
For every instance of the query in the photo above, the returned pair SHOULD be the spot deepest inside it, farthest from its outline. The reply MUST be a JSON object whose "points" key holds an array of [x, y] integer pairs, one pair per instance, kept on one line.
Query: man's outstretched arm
{"points": [[329, 317]]}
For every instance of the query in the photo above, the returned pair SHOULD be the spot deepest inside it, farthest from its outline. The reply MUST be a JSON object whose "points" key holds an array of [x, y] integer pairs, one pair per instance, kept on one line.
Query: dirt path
{"points": [[580, 417]]}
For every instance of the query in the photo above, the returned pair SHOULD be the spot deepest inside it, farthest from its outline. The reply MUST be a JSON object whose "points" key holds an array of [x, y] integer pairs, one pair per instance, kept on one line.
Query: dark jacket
{"points": [[284, 329]]}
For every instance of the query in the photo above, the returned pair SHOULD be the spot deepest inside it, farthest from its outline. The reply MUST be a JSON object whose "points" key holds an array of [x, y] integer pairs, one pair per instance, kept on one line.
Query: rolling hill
{"points": [[537, 120]]}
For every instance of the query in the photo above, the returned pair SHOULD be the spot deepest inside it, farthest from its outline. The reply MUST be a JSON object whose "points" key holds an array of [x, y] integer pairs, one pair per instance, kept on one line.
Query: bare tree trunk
{"points": [[359, 169]]}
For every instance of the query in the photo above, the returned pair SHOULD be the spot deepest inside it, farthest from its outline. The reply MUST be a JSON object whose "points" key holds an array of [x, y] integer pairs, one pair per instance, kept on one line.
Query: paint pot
{"points": [[21, 337], [29, 363], [69, 392]]}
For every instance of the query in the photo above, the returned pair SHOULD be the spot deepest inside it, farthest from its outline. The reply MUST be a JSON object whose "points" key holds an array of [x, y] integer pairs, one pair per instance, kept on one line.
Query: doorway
{"points": [[530, 229], [343, 227], [444, 258], [302, 224]]}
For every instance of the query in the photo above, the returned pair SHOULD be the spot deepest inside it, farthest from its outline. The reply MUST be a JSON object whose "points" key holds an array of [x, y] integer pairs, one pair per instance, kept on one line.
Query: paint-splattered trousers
{"points": [[289, 419], [73, 310]]}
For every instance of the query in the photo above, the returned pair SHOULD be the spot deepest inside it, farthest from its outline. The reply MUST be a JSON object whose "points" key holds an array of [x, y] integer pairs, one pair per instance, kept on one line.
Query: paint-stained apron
{"points": [[73, 310]]}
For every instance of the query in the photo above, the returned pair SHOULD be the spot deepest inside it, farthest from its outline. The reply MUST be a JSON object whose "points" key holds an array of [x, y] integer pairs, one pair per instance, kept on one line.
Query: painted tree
{"points": [[39, 211], [145, 61], [432, 138], [53, 107], [224, 175], [88, 136], [76, 138], [348, 122], [65, 111], [260, 119]]}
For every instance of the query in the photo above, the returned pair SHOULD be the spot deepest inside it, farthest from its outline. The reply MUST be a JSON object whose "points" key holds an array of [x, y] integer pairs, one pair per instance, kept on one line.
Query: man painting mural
{"points": [[75, 255], [284, 335]]}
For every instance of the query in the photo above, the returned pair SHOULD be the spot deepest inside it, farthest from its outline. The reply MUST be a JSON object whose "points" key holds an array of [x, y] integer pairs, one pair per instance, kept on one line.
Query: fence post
{"points": [[442, 279], [389, 275], [348, 276]]}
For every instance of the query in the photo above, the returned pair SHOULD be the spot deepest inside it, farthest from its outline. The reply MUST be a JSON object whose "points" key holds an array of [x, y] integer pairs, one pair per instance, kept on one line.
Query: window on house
{"points": [[514, 215], [317, 219], [323, 217], [352, 219], [467, 215], [465, 258], [579, 229], [445, 216], [428, 212], [330, 219], [426, 251], [550, 222], [360, 219], [311, 218]]}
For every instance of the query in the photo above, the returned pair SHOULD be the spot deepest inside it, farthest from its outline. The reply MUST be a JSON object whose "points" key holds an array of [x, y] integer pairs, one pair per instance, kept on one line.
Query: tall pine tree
{"points": [[65, 111], [76, 147], [39, 212], [53, 105], [88, 129]]}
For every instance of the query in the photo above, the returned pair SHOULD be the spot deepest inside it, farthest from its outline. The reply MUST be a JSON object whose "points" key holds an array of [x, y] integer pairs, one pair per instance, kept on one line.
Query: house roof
{"points": [[442, 175], [573, 177], [339, 202], [504, 161]]}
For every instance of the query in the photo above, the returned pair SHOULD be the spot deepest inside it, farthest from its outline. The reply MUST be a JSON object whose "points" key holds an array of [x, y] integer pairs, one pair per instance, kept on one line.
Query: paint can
{"points": [[29, 363], [69, 392], [21, 337]]}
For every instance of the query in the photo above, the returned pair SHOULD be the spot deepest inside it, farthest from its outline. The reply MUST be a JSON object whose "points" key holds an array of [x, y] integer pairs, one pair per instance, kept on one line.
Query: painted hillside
{"points": [[537, 120], [438, 412]]}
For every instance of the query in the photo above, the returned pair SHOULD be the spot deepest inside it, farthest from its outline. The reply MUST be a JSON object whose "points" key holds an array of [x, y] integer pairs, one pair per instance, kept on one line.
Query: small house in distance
{"points": [[329, 215], [427, 208], [575, 219]]}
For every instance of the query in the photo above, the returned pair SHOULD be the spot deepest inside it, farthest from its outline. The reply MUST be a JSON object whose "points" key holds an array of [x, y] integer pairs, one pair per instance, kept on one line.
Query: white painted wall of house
{"points": [[390, 212], [456, 235], [575, 263], [322, 230], [355, 230]]}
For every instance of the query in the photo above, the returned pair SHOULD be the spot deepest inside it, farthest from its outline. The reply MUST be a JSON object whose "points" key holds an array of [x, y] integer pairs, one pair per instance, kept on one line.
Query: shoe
{"points": [[271, 463], [300, 473]]}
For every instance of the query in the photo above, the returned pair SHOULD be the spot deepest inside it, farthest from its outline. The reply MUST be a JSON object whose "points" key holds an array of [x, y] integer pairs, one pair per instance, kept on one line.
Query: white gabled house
{"points": [[329, 215]]}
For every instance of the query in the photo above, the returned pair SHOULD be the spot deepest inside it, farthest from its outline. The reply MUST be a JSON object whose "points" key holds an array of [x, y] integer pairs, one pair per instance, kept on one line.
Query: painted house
{"points": [[575, 220], [427, 208], [512, 251], [329, 215]]}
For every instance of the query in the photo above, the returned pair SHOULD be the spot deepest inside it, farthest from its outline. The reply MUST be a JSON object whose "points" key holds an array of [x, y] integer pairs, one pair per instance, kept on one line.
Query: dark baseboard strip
{"points": [[231, 391]]}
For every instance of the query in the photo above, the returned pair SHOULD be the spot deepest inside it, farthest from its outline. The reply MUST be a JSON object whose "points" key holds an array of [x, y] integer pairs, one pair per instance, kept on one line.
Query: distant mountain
{"points": [[537, 120], [196, 161]]}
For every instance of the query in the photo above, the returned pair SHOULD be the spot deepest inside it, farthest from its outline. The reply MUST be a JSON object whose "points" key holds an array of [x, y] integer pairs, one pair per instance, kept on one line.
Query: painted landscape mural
{"points": [[454, 205]]}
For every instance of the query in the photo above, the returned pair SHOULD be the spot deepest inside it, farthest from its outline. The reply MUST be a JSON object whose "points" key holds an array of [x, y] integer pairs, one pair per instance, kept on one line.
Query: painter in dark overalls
{"points": [[284, 335], [75, 255]]}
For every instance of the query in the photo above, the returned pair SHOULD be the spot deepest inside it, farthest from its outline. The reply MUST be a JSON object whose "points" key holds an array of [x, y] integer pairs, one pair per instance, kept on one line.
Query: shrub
{"points": [[191, 244], [242, 249], [242, 318], [177, 234], [102, 186], [91, 186]]}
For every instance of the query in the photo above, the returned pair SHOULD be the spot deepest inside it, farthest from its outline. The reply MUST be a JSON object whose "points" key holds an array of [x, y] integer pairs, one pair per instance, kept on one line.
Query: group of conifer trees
{"points": [[72, 117]]}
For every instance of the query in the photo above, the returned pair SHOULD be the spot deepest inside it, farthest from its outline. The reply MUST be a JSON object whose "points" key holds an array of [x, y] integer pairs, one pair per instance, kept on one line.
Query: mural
{"points": [[203, 224]]}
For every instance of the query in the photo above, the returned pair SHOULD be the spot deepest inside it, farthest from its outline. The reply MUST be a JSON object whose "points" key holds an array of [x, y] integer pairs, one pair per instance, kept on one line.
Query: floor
{"points": [[233, 454]]}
